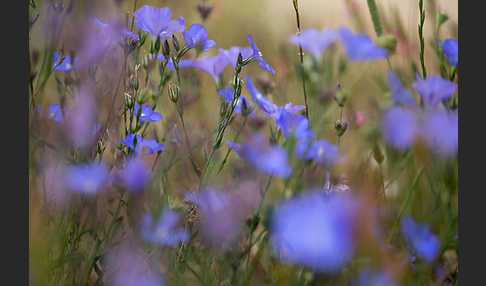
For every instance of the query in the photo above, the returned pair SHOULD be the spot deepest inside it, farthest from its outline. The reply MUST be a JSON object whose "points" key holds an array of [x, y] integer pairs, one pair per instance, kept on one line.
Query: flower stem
{"points": [[421, 37]]}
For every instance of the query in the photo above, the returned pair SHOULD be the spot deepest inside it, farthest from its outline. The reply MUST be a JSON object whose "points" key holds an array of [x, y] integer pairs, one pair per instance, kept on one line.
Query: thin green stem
{"points": [[421, 37]]}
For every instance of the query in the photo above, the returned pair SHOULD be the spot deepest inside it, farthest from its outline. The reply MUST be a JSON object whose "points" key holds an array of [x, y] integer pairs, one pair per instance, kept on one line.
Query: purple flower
{"points": [[158, 21], [80, 124], [129, 140], [369, 278], [257, 56], [400, 94], [55, 112], [135, 176], [88, 179], [170, 64], [266, 158], [434, 89], [147, 114], [451, 51], [228, 93], [231, 55], [420, 238], [324, 153], [314, 230], [304, 141], [292, 124], [399, 127], [313, 41], [214, 66], [261, 101], [164, 232], [65, 65], [196, 37], [360, 47], [440, 130]]}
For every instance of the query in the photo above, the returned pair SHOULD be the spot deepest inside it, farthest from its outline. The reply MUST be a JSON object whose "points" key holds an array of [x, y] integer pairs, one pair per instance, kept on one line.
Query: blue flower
{"points": [[231, 55], [55, 112], [65, 65], [400, 94], [147, 114], [163, 232], [257, 56], [292, 124], [314, 230], [271, 160], [324, 153], [214, 66], [135, 176], [264, 103], [115, 30], [149, 145], [129, 140], [399, 127], [313, 41], [87, 179], [451, 51], [434, 89], [196, 37], [369, 278], [420, 238], [170, 64], [360, 47], [228, 93], [440, 130], [158, 21]]}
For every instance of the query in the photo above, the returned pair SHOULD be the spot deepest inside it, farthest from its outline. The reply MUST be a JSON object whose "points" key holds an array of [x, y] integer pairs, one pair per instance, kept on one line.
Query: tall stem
{"points": [[421, 37]]}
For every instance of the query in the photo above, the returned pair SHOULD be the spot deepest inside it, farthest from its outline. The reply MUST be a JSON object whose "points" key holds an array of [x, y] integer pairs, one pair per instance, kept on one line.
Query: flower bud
{"points": [[173, 93], [157, 45], [442, 17], [341, 97], [166, 49], [204, 10], [175, 43], [341, 127], [389, 42]]}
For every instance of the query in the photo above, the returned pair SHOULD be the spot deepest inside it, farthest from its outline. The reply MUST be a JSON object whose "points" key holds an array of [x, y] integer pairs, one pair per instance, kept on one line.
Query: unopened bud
{"points": [[341, 97], [204, 11], [166, 49], [341, 127], [442, 17], [173, 93], [389, 42], [222, 108], [157, 45], [175, 43]]}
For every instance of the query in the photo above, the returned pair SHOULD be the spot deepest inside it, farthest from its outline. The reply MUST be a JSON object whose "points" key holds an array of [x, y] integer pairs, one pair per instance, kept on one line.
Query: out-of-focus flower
{"points": [[196, 37], [360, 118], [269, 159], [214, 66], [434, 89], [88, 179], [336, 188], [54, 183], [257, 56], [324, 153], [292, 124], [54, 111], [314, 230], [228, 94], [451, 51], [128, 266], [400, 94], [419, 236], [360, 47], [369, 278], [313, 41], [399, 127], [149, 145], [80, 125], [259, 99], [147, 114], [440, 130], [65, 65], [135, 176], [231, 54], [158, 21], [164, 232]]}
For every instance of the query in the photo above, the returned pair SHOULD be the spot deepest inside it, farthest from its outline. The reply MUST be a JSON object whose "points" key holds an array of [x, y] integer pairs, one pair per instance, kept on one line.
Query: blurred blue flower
{"points": [[313, 41], [420, 238], [228, 94], [269, 159], [451, 51], [257, 56], [213, 66], [360, 47], [231, 55], [434, 89], [314, 230], [89, 179], [399, 127], [369, 278], [135, 176], [147, 114], [149, 145], [440, 130], [259, 99], [324, 153], [292, 124], [400, 94], [65, 65], [164, 232], [116, 30], [55, 112], [196, 37], [158, 21]]}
